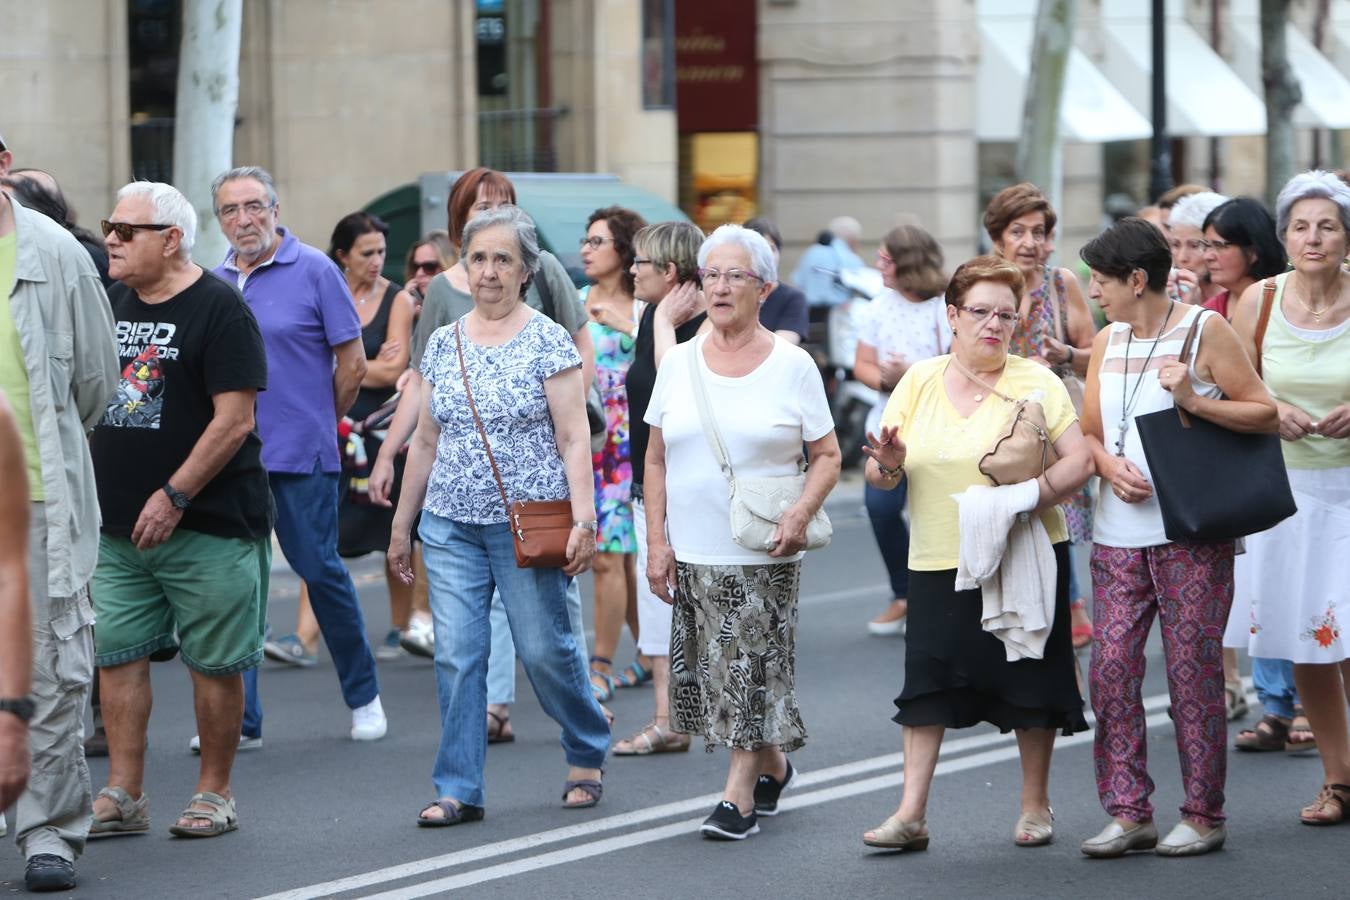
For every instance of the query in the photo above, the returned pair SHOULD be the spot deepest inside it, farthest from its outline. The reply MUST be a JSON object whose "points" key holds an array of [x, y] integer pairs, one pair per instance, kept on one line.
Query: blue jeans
{"points": [[307, 522], [1274, 683], [501, 674], [465, 564], [884, 509]]}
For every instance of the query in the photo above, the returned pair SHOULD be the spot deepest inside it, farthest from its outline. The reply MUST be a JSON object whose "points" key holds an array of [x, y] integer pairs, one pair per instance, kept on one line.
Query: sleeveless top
{"points": [[373, 336], [1117, 523], [1308, 368]]}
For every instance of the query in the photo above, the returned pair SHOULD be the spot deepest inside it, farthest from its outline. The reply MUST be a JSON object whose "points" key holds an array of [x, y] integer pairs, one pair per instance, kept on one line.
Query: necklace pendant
{"points": [[979, 398]]}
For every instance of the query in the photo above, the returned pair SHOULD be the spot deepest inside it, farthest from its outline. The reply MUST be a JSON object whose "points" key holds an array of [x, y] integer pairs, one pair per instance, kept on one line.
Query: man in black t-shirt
{"points": [[784, 311], [185, 548]]}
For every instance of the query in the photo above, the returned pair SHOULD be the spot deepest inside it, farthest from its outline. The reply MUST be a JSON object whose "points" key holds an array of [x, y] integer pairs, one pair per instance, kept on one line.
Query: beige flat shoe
{"points": [[1116, 840], [1034, 829], [897, 834], [1186, 840]]}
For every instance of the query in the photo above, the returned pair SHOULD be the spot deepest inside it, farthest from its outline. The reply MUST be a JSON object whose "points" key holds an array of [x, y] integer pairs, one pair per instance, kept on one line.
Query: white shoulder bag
{"points": [[756, 503]]}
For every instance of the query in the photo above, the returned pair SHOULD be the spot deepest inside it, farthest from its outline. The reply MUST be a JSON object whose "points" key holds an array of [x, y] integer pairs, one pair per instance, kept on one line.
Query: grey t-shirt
{"points": [[444, 304]]}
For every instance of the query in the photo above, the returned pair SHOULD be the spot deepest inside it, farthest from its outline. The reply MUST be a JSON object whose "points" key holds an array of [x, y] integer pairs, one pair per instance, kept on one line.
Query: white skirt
{"points": [[1291, 597]]}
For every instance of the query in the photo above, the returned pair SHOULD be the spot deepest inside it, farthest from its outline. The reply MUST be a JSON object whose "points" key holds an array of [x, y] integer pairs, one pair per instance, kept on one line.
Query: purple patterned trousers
{"points": [[1190, 588]]}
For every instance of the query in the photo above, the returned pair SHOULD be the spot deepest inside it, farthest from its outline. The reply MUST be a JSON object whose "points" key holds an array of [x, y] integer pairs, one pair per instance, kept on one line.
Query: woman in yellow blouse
{"points": [[943, 416]]}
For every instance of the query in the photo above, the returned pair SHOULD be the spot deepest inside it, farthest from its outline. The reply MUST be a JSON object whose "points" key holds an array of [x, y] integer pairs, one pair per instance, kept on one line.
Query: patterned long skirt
{"points": [[733, 655]]}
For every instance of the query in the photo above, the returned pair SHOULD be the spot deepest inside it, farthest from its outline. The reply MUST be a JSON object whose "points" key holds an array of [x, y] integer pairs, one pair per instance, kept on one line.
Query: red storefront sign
{"points": [[716, 73]]}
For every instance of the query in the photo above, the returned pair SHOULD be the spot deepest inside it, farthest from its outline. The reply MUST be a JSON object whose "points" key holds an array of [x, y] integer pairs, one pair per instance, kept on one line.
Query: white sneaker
{"points": [[419, 639], [245, 743], [368, 722]]}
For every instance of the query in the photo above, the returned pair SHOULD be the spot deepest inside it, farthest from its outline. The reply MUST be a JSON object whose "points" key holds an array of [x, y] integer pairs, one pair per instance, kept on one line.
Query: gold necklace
{"points": [[1315, 313]]}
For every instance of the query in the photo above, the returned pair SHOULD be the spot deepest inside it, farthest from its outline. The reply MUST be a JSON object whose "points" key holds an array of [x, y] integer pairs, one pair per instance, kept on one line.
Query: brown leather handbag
{"points": [[541, 528], [1023, 449]]}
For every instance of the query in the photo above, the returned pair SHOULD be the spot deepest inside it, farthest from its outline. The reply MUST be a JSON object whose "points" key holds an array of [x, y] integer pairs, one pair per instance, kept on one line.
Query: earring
{"points": [[1138, 295]]}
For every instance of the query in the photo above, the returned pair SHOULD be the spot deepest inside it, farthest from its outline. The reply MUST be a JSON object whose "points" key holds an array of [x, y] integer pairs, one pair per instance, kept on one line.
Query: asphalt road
{"points": [[322, 816]]}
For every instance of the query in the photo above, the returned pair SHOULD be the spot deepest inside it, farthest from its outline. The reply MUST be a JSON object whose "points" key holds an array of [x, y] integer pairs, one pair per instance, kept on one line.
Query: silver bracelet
{"points": [[592, 526]]}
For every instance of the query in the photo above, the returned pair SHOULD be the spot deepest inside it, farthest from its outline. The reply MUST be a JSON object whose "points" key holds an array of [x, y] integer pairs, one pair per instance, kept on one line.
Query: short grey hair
{"points": [[171, 208], [846, 227], [257, 173], [752, 242], [1191, 210], [517, 220], [1315, 184]]}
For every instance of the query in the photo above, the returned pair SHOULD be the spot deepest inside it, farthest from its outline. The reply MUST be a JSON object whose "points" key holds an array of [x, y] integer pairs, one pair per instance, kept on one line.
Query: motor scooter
{"points": [[834, 332]]}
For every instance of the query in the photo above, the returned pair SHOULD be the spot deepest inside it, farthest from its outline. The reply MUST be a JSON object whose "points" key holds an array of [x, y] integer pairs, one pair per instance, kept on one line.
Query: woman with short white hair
{"points": [[732, 649], [1293, 603], [1185, 234]]}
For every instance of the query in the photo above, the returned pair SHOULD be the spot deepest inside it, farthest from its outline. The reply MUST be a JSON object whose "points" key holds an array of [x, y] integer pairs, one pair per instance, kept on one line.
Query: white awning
{"points": [[1205, 98], [1093, 111], [1340, 33], [1326, 92]]}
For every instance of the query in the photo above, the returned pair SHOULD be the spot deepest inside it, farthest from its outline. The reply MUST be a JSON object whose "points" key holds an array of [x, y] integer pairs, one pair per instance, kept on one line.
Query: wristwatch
{"points": [[22, 707], [179, 499], [592, 526]]}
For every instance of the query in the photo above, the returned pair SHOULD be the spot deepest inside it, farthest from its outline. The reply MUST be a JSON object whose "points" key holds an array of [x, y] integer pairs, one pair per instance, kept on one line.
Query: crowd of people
{"points": [[497, 433]]}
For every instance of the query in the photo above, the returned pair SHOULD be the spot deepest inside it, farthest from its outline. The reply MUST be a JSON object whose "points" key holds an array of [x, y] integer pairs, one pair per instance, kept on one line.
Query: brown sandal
{"points": [[1330, 807], [499, 729], [1301, 738], [1271, 733]]}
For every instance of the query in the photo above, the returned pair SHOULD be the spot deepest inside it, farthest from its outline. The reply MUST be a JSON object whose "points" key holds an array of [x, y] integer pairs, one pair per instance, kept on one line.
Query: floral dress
{"points": [[1028, 340], [613, 462]]}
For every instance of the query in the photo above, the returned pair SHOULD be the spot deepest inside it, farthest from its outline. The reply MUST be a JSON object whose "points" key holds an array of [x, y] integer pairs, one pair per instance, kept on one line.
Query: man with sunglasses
{"points": [[185, 550], [313, 336], [57, 367]]}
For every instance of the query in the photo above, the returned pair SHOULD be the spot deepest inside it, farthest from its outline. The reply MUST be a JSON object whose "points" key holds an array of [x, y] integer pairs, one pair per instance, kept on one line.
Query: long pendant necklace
{"points": [[1127, 404]]}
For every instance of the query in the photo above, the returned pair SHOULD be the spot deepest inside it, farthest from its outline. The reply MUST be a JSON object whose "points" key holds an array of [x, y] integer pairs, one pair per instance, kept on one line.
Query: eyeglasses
{"points": [[595, 242], [251, 208], [1216, 246], [641, 260], [127, 230], [427, 268], [735, 278], [982, 313]]}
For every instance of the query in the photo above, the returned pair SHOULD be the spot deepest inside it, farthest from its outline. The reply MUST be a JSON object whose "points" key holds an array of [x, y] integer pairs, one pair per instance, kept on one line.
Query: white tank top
{"points": [[1117, 523]]}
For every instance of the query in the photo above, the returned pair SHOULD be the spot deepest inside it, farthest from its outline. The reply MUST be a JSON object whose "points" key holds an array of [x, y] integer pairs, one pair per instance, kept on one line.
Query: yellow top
{"points": [[944, 450], [1311, 370], [13, 371]]}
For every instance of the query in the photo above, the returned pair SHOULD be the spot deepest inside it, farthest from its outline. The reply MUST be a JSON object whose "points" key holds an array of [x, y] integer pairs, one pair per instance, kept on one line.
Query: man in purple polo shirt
{"points": [[313, 338]]}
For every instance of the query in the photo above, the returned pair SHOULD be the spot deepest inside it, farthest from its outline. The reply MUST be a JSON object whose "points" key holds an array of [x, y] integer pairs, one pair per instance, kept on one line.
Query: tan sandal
{"points": [[133, 816], [1330, 807], [897, 834], [652, 739], [1034, 830]]}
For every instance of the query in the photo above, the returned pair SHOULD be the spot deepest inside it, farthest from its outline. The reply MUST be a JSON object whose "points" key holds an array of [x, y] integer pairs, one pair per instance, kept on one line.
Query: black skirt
{"points": [[958, 675]]}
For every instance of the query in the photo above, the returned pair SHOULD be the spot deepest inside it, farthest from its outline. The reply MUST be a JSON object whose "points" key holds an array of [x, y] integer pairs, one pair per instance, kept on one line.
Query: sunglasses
{"points": [[427, 268], [127, 230]]}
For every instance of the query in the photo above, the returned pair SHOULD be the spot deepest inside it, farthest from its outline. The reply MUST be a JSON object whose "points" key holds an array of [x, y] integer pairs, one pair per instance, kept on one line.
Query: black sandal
{"points": [[452, 814], [591, 787], [497, 733], [1273, 736]]}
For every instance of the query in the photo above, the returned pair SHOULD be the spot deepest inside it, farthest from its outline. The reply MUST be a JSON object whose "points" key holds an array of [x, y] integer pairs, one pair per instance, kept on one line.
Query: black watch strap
{"points": [[22, 707], [179, 499]]}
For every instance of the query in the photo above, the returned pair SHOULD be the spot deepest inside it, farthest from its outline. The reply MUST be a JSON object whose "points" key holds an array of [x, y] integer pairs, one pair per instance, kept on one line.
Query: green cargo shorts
{"points": [[206, 595]]}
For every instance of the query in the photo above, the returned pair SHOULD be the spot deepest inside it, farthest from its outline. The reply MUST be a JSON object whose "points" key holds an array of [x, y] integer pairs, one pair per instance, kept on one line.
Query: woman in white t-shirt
{"points": [[906, 324], [733, 637]]}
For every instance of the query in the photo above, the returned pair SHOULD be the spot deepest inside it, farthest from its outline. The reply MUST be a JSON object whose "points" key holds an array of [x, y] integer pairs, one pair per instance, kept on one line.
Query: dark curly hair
{"points": [[349, 228], [624, 224]]}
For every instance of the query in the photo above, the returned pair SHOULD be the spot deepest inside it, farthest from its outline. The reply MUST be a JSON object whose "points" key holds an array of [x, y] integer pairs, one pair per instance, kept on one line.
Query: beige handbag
{"points": [[1023, 449], [757, 504]]}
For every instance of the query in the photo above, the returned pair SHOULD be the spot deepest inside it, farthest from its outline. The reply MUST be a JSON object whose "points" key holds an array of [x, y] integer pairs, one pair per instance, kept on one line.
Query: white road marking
{"points": [[888, 763]]}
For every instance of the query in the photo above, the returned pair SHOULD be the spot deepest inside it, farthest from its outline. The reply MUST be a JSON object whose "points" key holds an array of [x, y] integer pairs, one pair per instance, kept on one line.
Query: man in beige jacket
{"points": [[58, 365]]}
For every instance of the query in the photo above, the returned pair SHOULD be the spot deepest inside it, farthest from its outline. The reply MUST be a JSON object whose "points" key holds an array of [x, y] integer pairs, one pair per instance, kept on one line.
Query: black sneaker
{"points": [[49, 872], [767, 789], [727, 824]]}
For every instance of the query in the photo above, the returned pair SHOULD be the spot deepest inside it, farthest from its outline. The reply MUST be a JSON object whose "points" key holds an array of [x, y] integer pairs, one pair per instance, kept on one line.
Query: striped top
{"points": [[1117, 523]]}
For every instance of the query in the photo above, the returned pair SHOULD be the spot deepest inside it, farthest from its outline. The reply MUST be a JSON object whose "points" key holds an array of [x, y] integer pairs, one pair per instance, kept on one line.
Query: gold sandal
{"points": [[652, 739], [897, 834], [1033, 831]]}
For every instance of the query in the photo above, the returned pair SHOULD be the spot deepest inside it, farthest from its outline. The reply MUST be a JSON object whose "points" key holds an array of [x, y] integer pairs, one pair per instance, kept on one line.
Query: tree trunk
{"points": [[1039, 153], [1282, 94], [208, 98]]}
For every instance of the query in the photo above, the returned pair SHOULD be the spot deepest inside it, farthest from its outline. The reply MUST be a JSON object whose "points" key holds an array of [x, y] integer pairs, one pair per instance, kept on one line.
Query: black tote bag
{"points": [[1213, 484]]}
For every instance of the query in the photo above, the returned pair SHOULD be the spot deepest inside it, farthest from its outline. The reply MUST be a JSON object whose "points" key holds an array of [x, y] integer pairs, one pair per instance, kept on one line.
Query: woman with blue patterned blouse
{"points": [[525, 375]]}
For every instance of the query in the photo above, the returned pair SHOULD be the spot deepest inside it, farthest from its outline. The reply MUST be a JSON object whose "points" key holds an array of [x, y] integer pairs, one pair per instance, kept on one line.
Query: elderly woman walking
{"points": [[1138, 573], [506, 419], [1293, 602], [943, 417], [732, 653]]}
